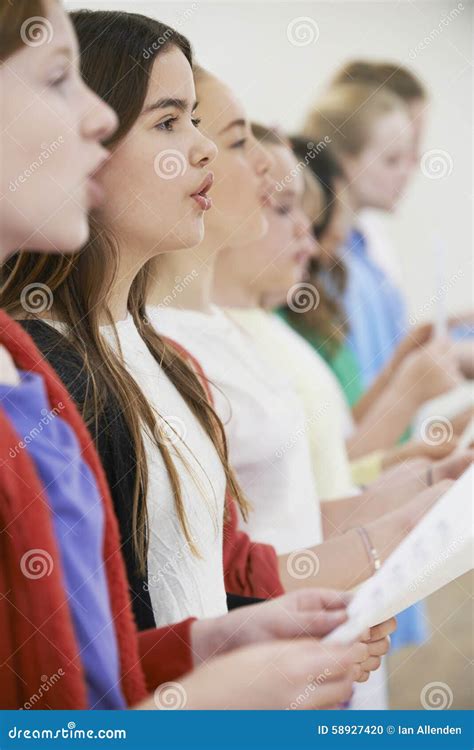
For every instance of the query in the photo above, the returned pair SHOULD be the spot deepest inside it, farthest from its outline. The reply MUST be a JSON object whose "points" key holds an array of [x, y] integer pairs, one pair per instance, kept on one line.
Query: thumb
{"points": [[321, 623]]}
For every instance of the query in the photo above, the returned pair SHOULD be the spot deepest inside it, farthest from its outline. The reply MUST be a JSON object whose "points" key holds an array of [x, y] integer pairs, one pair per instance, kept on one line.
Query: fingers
{"points": [[315, 599], [379, 648], [332, 694], [319, 624], [369, 665], [383, 629], [335, 661]]}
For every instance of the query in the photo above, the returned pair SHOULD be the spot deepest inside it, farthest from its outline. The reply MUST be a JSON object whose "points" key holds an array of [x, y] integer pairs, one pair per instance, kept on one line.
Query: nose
{"points": [[302, 224], [262, 159], [100, 121], [203, 150]]}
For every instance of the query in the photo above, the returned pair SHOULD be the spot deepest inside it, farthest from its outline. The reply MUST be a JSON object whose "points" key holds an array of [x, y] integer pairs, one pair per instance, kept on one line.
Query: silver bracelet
{"points": [[371, 550]]}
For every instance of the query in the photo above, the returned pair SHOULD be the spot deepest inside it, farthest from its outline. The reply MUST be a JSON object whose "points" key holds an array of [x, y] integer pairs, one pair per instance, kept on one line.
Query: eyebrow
{"points": [[63, 50], [288, 193], [235, 123], [181, 104]]}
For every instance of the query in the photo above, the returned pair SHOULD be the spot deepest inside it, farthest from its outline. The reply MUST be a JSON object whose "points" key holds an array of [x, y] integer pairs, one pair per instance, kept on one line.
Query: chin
{"points": [[189, 236], [253, 230]]}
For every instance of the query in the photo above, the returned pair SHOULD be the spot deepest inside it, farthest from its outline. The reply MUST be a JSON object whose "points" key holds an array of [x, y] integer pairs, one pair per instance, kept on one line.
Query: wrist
{"points": [[407, 393], [206, 639]]}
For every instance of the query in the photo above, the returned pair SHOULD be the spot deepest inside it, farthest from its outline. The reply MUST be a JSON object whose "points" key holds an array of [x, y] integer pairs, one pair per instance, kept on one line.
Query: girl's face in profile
{"points": [[51, 129], [158, 179], [277, 261], [378, 175], [242, 186]]}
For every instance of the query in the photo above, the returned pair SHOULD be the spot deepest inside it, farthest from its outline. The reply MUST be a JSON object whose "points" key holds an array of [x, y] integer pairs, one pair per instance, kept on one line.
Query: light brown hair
{"points": [[345, 115], [12, 17], [398, 79]]}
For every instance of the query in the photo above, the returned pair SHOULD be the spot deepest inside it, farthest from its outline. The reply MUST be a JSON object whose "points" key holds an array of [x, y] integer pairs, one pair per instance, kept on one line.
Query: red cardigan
{"points": [[37, 633]]}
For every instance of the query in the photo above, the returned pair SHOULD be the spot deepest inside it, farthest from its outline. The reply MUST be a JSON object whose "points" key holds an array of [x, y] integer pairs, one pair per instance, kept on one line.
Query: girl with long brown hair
{"points": [[65, 612], [162, 446]]}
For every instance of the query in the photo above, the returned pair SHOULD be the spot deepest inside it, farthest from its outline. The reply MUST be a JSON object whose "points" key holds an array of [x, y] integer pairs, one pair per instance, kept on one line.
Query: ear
{"points": [[348, 164]]}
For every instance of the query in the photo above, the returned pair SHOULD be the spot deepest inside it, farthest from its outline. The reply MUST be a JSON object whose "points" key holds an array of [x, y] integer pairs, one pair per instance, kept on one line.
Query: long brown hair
{"points": [[117, 53], [327, 320]]}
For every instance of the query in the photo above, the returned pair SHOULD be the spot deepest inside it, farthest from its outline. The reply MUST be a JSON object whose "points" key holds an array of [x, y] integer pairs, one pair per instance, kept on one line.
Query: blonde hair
{"points": [[401, 81], [346, 114]]}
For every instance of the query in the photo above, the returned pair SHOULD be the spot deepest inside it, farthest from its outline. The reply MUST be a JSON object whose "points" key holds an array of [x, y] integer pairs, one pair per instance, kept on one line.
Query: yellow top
{"points": [[327, 413]]}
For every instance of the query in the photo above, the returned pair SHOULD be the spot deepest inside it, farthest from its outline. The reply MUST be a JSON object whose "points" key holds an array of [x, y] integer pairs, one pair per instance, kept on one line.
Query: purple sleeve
{"points": [[78, 521]]}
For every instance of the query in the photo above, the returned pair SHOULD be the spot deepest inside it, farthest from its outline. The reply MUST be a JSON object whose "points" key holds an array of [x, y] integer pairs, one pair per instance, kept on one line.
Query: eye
{"points": [[166, 124], [60, 78], [282, 210], [239, 144], [196, 121]]}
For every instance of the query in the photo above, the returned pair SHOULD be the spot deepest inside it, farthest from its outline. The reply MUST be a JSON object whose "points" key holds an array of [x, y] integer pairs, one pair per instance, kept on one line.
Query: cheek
{"points": [[233, 185]]}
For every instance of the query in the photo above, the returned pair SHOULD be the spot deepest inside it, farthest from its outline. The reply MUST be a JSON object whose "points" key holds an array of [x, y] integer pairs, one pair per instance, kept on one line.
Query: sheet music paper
{"points": [[438, 550]]}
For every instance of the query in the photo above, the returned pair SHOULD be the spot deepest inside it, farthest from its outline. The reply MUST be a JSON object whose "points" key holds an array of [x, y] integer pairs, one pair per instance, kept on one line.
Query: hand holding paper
{"points": [[438, 550]]}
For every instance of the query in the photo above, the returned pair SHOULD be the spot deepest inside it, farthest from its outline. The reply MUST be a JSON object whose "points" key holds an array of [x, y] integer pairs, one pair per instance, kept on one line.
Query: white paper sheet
{"points": [[438, 550]]}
